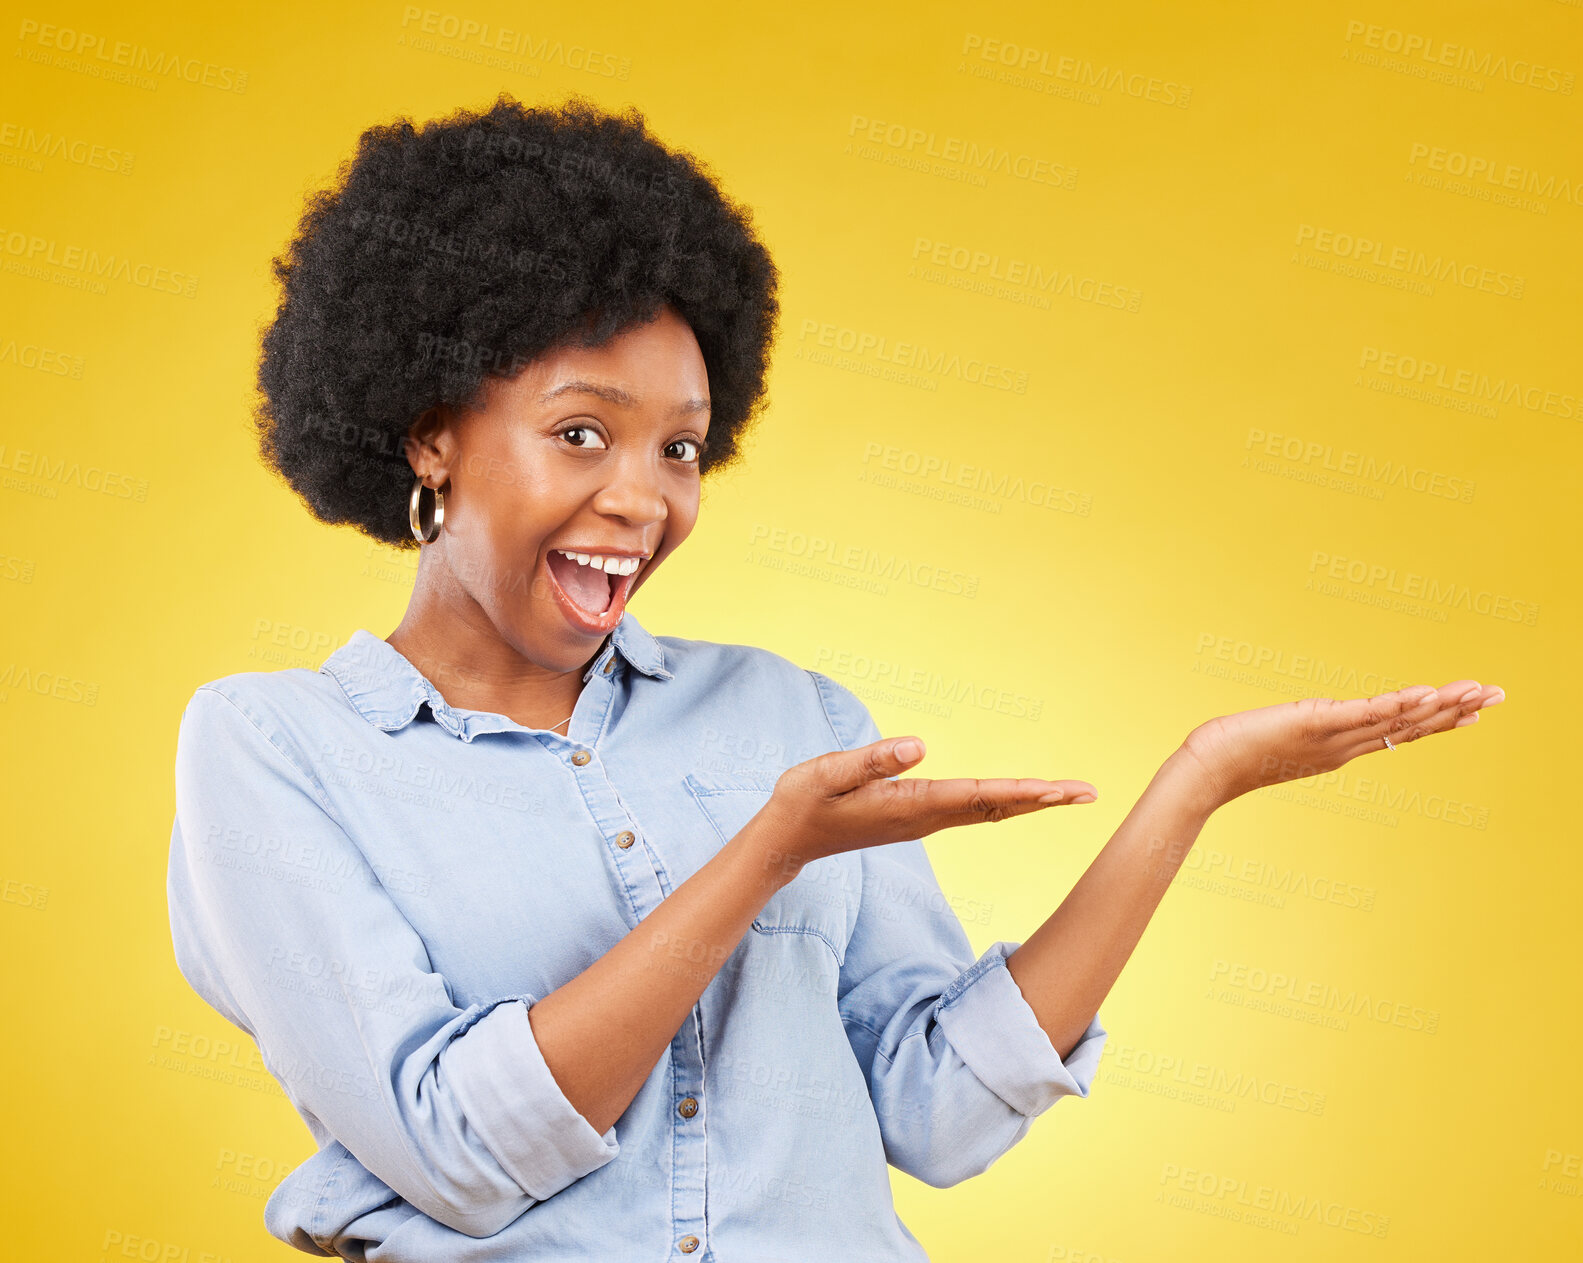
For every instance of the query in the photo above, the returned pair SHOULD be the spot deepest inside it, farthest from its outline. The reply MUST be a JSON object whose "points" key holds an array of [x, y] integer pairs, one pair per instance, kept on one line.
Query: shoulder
{"points": [[720, 663], [762, 676], [263, 696], [288, 710], [717, 658]]}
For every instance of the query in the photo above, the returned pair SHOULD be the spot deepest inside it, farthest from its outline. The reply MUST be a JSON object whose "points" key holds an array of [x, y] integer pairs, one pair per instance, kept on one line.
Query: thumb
{"points": [[849, 769]]}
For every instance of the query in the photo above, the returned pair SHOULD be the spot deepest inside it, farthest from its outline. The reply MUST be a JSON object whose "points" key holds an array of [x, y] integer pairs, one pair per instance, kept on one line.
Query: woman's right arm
{"points": [[279, 922], [472, 1115], [603, 1032]]}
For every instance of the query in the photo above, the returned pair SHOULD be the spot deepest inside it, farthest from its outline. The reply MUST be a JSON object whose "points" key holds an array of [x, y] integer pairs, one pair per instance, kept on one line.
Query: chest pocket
{"points": [[822, 900]]}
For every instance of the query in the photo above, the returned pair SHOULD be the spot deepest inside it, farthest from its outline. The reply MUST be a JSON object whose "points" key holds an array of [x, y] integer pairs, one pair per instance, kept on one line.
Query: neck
{"points": [[476, 667]]}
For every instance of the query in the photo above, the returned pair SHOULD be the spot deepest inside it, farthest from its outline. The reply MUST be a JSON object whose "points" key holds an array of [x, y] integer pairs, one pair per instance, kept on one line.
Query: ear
{"points": [[431, 445]]}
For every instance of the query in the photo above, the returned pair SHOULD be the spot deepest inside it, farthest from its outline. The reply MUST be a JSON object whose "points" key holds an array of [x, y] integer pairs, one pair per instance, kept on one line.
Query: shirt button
{"points": [[610, 666], [581, 757], [624, 839], [687, 1244], [688, 1107]]}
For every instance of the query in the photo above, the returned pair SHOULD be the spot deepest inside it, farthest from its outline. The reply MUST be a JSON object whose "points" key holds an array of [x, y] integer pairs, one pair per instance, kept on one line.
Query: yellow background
{"points": [[1171, 576]]}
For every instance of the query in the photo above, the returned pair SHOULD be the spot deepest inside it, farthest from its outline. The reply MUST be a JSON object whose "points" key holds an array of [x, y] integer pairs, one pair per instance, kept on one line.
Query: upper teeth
{"points": [[610, 565]]}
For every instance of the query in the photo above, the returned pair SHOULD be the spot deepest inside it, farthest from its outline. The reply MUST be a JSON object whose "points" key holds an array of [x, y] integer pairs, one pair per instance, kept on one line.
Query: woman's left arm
{"points": [[1067, 967]]}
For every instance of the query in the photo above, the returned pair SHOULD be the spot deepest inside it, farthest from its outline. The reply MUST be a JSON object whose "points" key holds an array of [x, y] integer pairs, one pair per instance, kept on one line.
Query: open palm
{"points": [[1295, 740]]}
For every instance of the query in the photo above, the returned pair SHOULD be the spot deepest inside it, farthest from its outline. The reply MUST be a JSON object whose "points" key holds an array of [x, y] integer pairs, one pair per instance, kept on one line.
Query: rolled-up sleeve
{"points": [[957, 1064], [279, 921]]}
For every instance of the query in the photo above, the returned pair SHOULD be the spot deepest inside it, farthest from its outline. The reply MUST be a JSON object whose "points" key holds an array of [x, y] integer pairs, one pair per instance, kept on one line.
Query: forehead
{"points": [[653, 366]]}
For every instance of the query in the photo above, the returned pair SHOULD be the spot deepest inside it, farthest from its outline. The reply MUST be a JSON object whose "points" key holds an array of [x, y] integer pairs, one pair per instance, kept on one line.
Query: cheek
{"points": [[683, 511], [508, 495], [505, 510]]}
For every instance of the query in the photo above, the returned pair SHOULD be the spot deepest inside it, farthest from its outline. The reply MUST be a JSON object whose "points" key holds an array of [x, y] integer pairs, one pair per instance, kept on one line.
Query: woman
{"points": [[567, 940]]}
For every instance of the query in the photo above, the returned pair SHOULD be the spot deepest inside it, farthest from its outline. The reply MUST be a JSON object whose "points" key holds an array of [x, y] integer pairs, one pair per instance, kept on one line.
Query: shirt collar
{"points": [[388, 691]]}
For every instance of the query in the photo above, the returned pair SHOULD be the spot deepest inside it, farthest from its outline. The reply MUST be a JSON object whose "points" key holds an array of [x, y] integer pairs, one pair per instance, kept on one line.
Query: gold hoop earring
{"points": [[414, 516]]}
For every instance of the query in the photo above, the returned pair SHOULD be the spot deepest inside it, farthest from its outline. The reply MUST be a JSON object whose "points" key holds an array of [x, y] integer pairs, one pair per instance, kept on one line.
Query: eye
{"points": [[693, 443], [583, 442]]}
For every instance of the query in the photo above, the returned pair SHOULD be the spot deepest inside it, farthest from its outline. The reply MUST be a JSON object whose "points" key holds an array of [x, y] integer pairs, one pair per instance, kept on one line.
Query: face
{"points": [[591, 450]]}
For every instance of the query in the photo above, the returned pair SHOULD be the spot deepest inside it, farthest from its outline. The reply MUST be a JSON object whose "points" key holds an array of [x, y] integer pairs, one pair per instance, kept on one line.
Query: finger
{"points": [[1069, 792], [1460, 706], [968, 800], [1366, 717], [1489, 695], [1397, 714], [844, 770], [1452, 705]]}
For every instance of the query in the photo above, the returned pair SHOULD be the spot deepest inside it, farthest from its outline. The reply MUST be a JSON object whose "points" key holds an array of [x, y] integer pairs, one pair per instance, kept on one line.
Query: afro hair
{"points": [[468, 247]]}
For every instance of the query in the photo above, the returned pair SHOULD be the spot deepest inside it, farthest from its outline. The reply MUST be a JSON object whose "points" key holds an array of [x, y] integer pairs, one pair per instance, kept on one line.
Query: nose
{"points": [[634, 492]]}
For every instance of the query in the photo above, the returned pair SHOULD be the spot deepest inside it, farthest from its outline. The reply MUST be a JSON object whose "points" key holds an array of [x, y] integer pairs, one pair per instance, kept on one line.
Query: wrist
{"points": [[764, 842], [1194, 783]]}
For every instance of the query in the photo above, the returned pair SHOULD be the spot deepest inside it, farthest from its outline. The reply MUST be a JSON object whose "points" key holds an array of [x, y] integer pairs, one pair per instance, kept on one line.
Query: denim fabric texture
{"points": [[376, 887]]}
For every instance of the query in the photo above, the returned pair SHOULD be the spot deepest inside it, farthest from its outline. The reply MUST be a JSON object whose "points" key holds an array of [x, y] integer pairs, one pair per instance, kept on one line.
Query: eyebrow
{"points": [[615, 395]]}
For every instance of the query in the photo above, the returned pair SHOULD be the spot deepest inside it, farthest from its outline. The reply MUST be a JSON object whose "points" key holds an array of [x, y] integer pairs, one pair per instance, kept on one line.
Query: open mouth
{"points": [[592, 599]]}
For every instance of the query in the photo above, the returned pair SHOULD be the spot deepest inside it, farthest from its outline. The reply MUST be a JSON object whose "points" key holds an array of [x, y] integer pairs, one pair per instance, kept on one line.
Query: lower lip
{"points": [[578, 617]]}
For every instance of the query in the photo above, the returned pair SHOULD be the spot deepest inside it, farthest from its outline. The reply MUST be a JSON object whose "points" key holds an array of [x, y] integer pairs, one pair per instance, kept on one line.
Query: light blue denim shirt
{"points": [[376, 886]]}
